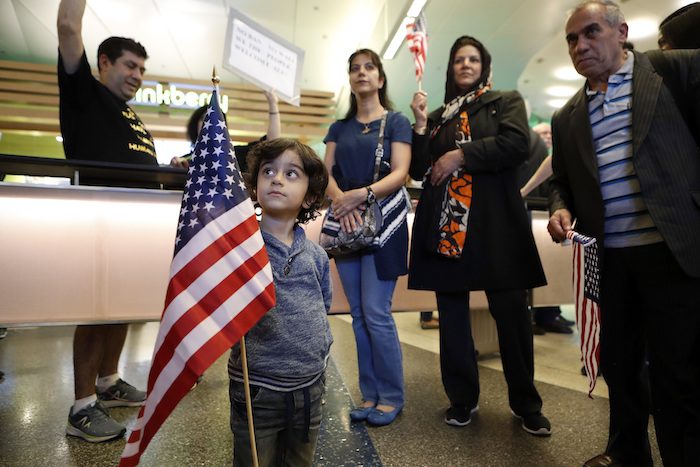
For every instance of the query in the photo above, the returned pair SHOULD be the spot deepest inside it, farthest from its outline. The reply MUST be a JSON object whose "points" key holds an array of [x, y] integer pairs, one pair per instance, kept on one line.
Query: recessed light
{"points": [[556, 103], [561, 91], [642, 27], [567, 73]]}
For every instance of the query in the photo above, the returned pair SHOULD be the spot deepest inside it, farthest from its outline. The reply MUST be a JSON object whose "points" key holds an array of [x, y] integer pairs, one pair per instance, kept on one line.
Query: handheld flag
{"points": [[587, 295], [417, 38], [220, 280]]}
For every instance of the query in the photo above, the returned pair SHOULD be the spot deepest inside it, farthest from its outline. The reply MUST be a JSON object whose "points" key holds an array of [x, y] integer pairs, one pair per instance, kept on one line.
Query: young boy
{"points": [[288, 348]]}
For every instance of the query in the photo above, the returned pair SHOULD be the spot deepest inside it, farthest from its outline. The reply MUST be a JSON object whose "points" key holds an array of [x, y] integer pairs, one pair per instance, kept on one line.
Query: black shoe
{"points": [[565, 321], [459, 416], [601, 460], [537, 330], [585, 373], [556, 327], [535, 424]]}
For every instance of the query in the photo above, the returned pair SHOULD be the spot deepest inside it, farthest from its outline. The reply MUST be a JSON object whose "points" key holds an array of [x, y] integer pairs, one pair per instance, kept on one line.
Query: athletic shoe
{"points": [[459, 416], [93, 424], [121, 394], [535, 424], [3, 333]]}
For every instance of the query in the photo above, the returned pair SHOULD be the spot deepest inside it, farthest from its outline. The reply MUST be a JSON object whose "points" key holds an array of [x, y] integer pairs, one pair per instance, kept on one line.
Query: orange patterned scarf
{"points": [[457, 200]]}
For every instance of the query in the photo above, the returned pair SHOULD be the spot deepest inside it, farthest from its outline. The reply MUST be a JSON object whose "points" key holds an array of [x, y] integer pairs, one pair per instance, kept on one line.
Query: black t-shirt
{"points": [[98, 126]]}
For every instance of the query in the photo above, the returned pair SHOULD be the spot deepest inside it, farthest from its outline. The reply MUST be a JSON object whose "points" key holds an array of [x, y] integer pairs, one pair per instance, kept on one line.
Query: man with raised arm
{"points": [[97, 124]]}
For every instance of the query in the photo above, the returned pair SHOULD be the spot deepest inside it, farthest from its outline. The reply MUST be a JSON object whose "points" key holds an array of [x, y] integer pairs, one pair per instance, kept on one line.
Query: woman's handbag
{"points": [[334, 240]]}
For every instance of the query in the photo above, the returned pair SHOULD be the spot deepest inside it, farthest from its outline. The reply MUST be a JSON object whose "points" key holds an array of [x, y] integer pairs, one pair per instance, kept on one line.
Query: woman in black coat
{"points": [[471, 230]]}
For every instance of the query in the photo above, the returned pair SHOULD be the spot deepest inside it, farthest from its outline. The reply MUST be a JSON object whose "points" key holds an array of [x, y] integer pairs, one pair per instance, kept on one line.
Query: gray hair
{"points": [[613, 15]]}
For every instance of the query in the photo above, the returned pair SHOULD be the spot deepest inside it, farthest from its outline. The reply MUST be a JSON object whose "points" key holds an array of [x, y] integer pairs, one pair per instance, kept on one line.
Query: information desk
{"points": [[79, 254]]}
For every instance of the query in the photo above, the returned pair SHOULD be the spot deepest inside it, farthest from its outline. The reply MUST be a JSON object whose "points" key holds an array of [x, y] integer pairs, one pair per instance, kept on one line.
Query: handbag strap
{"points": [[379, 152]]}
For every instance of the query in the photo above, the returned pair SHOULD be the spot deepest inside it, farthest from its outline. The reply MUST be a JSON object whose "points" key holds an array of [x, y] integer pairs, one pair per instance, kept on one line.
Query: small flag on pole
{"points": [[587, 295], [417, 38], [220, 280]]}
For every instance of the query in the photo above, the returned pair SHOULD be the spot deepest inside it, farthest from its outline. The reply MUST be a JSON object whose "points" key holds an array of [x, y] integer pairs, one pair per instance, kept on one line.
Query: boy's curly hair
{"points": [[313, 168]]}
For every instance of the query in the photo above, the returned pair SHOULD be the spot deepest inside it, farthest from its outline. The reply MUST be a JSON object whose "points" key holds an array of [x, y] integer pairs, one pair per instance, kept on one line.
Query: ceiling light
{"points": [[400, 33], [556, 103], [567, 73], [561, 91], [397, 40], [641, 28]]}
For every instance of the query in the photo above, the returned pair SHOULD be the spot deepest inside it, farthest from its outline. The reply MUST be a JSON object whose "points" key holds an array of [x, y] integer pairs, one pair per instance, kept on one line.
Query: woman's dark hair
{"points": [[680, 29], [193, 123], [451, 88], [383, 92], [313, 168]]}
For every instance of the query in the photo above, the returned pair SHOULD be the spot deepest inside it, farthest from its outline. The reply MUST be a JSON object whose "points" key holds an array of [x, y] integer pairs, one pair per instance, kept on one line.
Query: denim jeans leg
{"points": [[278, 441], [269, 419], [379, 350], [350, 272], [294, 451]]}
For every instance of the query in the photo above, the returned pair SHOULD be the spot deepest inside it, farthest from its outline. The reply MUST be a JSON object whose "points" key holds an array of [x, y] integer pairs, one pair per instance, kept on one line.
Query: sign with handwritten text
{"points": [[262, 57]]}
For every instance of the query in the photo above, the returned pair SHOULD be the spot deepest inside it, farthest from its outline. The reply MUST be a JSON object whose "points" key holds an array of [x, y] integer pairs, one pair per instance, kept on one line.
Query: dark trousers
{"points": [[286, 425], [649, 305], [460, 375]]}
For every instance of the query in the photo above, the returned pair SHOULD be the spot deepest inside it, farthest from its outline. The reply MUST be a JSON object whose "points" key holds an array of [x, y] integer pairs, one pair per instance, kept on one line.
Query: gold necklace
{"points": [[365, 130]]}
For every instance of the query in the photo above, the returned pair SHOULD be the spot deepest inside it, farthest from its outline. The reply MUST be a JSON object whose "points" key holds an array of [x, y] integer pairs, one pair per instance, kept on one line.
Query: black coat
{"points": [[500, 251], [665, 156]]}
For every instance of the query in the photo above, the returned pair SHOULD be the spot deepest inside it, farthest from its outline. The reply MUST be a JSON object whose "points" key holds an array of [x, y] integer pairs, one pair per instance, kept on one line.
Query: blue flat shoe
{"points": [[360, 414], [380, 418]]}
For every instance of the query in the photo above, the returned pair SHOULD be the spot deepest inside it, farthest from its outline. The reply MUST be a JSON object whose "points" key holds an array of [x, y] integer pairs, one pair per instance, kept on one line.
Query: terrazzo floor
{"points": [[37, 390]]}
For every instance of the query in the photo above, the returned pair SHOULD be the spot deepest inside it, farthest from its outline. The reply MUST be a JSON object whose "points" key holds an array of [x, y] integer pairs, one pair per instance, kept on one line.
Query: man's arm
{"points": [[70, 36], [561, 218]]}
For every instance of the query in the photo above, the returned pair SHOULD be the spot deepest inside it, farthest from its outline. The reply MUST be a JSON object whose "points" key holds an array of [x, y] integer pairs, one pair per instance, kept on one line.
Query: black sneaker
{"points": [[459, 416], [565, 321], [556, 327], [535, 424], [93, 424]]}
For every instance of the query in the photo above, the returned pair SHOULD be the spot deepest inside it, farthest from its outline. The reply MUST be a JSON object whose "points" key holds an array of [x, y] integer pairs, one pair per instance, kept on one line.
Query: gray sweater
{"points": [[288, 348]]}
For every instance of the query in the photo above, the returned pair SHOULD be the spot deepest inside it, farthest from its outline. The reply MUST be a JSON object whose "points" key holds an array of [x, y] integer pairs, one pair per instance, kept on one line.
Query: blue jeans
{"points": [[286, 425], [378, 348]]}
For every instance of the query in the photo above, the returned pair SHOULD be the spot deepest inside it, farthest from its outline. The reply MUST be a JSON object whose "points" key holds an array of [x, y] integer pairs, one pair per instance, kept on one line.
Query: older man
{"points": [[627, 168]]}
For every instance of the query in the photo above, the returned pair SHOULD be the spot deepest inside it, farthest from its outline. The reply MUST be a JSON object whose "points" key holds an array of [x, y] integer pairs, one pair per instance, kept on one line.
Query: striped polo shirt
{"points": [[627, 220]]}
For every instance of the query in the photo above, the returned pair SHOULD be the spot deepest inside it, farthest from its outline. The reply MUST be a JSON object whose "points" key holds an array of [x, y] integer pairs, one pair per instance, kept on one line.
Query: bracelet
{"points": [[420, 131]]}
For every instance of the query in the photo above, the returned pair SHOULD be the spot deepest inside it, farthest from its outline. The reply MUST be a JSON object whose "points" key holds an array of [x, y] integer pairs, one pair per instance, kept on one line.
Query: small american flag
{"points": [[587, 293], [417, 38], [220, 280]]}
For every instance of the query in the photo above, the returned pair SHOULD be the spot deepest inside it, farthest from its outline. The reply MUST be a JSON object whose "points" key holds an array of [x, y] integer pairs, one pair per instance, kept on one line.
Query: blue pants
{"points": [[378, 348], [286, 425]]}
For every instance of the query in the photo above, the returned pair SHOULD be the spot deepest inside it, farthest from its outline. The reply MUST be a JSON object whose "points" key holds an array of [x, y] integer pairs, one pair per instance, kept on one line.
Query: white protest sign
{"points": [[262, 57]]}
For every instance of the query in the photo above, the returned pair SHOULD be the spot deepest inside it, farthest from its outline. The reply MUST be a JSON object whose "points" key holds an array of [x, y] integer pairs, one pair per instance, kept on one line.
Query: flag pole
{"points": [[248, 403], [244, 356]]}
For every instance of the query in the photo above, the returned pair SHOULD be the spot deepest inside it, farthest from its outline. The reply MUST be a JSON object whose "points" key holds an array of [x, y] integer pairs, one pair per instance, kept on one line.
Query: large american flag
{"points": [[417, 38], [220, 280], [587, 294]]}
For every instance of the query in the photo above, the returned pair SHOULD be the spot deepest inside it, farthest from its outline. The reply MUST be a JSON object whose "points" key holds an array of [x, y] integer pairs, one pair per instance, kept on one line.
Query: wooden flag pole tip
{"points": [[214, 78]]}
